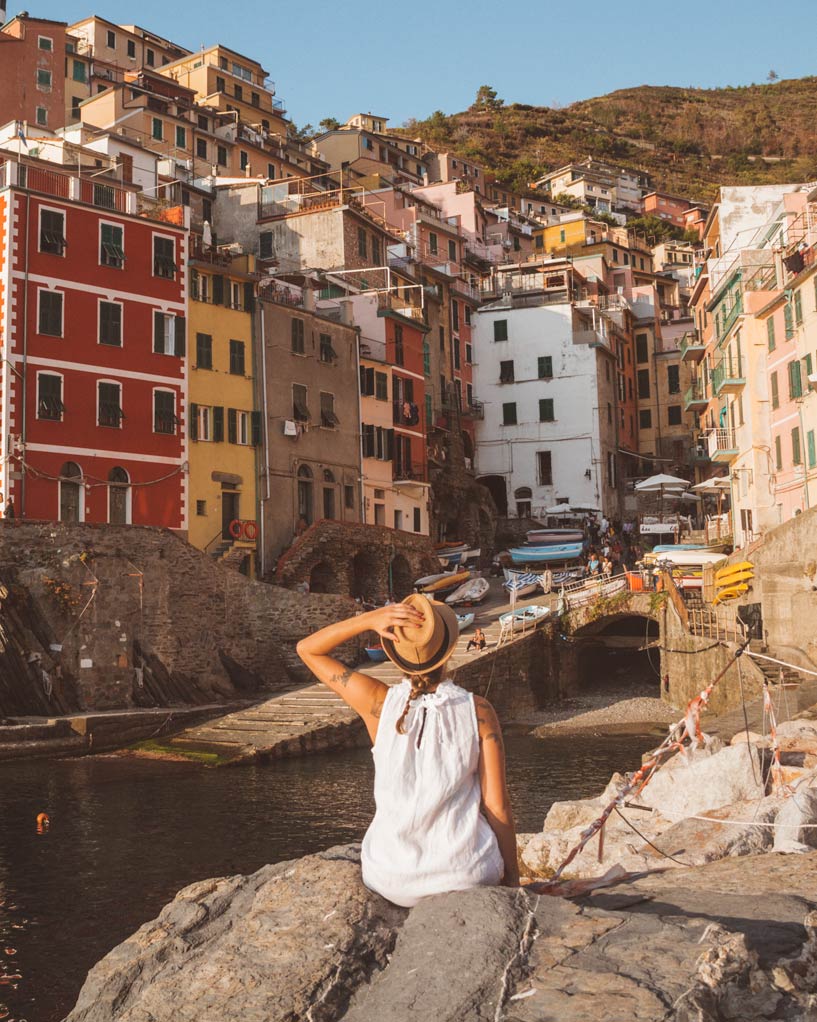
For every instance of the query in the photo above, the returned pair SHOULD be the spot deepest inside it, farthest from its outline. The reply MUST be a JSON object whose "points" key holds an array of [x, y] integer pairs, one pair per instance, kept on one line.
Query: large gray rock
{"points": [[306, 942], [796, 829]]}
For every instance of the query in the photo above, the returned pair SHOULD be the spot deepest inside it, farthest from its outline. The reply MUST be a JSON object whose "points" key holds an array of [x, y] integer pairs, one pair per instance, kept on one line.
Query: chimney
{"points": [[309, 299], [347, 313]]}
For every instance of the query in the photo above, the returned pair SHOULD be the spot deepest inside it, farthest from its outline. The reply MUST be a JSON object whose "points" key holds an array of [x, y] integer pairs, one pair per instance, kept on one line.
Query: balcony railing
{"points": [[691, 347], [70, 187], [476, 410], [694, 397], [728, 375], [722, 444]]}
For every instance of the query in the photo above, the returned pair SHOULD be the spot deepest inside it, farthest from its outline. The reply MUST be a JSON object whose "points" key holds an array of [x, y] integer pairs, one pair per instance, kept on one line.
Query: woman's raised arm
{"points": [[362, 692]]}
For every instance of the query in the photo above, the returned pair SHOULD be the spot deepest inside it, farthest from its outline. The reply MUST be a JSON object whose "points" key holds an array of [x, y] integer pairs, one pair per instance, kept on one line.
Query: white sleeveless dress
{"points": [[428, 835]]}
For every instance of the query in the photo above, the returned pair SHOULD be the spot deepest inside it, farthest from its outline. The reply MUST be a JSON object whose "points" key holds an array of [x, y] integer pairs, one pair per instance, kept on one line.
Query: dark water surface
{"points": [[127, 834]]}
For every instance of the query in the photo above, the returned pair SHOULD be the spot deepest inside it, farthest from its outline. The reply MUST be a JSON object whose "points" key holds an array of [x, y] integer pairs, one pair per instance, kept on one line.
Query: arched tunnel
{"points": [[619, 652]]}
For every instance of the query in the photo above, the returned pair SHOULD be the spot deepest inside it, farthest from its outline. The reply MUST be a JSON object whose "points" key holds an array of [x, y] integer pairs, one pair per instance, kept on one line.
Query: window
{"points": [[221, 84], [427, 358], [795, 380], [49, 397], [111, 246], [168, 334], [201, 507], [131, 48], [238, 92], [362, 249], [417, 521], [221, 155], [500, 329], [43, 80], [110, 323], [468, 314], [367, 435], [506, 371], [442, 338], [469, 355], [455, 346], [645, 419], [243, 428], [109, 405], [770, 331], [545, 367], [455, 315], [111, 40], [375, 251], [49, 320], [164, 411], [52, 232], [775, 391], [204, 351], [796, 456], [432, 243], [297, 341], [300, 409], [150, 58], [544, 468], [452, 251], [181, 137], [45, 42], [673, 379], [641, 350], [778, 453], [42, 116], [546, 409], [201, 148], [788, 320], [164, 257], [643, 383], [798, 308], [561, 236], [399, 354], [674, 415], [244, 159], [328, 417], [509, 413], [237, 358], [381, 386], [811, 449], [156, 129], [327, 352]]}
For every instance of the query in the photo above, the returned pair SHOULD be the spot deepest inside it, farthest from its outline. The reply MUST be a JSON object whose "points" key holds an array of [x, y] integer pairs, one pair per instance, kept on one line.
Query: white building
{"points": [[546, 375]]}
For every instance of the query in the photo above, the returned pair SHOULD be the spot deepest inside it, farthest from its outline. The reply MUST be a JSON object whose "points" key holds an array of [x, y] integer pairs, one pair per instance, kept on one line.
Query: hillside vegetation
{"points": [[690, 140]]}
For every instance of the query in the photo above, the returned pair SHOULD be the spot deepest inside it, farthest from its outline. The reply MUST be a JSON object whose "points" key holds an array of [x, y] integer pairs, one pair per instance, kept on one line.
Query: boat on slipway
{"points": [[522, 583], [553, 554], [554, 537], [469, 593], [523, 618], [441, 582], [465, 621]]}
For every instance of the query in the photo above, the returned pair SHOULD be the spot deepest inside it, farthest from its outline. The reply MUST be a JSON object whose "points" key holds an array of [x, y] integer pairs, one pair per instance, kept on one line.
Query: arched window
{"points": [[305, 513], [119, 497], [72, 493], [328, 477], [523, 495]]}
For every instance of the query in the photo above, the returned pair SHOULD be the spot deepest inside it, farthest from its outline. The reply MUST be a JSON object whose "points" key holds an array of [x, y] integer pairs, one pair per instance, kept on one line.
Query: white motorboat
{"points": [[473, 591]]}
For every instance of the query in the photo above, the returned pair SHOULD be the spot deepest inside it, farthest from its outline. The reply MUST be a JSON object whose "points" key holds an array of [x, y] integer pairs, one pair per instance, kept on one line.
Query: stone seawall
{"points": [[108, 617]]}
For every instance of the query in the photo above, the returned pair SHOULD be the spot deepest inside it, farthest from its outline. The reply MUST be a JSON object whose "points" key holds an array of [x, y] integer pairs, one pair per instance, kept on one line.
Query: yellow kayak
{"points": [[731, 593], [732, 580], [733, 569], [447, 582]]}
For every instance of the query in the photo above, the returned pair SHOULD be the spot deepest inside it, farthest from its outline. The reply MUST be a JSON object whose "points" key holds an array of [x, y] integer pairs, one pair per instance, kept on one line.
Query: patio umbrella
{"points": [[660, 483], [718, 485], [589, 508], [559, 509]]}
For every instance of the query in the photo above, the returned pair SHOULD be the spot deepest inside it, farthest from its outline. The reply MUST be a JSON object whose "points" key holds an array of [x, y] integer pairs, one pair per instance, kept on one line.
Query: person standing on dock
{"points": [[443, 820]]}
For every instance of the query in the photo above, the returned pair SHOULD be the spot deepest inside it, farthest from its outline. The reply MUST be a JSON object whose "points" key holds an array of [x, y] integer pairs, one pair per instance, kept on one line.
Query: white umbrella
{"points": [[585, 507], [559, 509], [717, 485], [661, 482]]}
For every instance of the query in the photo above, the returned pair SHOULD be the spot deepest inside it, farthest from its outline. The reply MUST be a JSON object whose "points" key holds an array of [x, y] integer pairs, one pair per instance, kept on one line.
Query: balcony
{"points": [[407, 476], [695, 400], [721, 443], [476, 410], [727, 376], [692, 348]]}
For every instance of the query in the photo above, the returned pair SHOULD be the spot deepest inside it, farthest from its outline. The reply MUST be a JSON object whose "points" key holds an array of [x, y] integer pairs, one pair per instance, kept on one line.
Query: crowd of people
{"points": [[610, 547]]}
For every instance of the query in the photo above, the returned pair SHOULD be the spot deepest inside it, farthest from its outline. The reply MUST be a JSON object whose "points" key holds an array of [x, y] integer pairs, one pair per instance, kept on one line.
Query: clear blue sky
{"points": [[407, 59]]}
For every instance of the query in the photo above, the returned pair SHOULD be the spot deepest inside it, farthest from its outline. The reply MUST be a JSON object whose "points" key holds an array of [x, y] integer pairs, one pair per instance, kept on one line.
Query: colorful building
{"points": [[224, 421], [32, 71], [93, 378]]}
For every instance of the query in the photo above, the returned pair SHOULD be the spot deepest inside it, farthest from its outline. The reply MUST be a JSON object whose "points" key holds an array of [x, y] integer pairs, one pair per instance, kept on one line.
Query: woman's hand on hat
{"points": [[396, 615]]}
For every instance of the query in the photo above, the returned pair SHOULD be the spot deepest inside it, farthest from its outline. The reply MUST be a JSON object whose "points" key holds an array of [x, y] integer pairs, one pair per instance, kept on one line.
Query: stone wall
{"points": [[123, 616], [461, 508], [367, 561]]}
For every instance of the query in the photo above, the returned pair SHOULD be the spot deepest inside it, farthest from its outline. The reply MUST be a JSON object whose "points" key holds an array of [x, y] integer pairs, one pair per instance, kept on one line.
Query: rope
{"points": [[746, 723], [646, 840], [772, 660]]}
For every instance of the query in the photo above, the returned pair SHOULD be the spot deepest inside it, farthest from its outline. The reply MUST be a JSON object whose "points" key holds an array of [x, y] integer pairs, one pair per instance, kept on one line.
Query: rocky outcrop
{"points": [[304, 941]]}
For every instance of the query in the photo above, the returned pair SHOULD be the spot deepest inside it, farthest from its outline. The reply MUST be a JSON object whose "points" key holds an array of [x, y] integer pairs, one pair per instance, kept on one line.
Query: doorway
{"points": [[118, 497], [230, 500], [71, 503]]}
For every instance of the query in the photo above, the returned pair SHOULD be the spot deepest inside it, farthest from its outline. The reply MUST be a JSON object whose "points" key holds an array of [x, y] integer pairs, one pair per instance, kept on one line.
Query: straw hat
{"points": [[421, 648]]}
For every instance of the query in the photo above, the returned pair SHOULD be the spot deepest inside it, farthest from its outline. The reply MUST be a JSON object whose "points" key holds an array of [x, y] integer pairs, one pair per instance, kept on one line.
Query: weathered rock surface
{"points": [[304, 941]]}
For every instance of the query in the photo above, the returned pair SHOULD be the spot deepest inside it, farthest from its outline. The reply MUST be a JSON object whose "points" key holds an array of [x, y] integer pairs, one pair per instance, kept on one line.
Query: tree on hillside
{"points": [[303, 134], [772, 76], [486, 99], [329, 124], [655, 229]]}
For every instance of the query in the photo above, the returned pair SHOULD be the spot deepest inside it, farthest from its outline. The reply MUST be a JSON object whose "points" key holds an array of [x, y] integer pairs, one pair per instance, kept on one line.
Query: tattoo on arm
{"points": [[493, 736], [341, 679]]}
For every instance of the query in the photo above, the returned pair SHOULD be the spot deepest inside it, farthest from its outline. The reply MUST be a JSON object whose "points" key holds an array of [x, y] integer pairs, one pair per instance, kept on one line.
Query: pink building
{"points": [[667, 207]]}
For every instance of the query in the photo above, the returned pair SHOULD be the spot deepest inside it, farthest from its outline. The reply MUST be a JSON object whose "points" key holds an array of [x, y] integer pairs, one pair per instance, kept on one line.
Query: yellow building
{"points": [[225, 427]]}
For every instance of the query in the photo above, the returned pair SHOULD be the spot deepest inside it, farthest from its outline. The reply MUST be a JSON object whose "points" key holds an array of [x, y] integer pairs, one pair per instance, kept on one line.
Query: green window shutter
{"points": [[546, 409], [812, 449], [545, 367], [158, 333], [775, 391], [218, 425], [232, 426], [795, 446], [798, 308], [180, 337], [778, 453], [256, 428], [193, 427], [795, 385], [789, 320], [770, 332], [429, 413]]}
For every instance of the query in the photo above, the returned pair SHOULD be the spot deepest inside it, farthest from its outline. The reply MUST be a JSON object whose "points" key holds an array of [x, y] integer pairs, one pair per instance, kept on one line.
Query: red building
{"points": [[93, 373]]}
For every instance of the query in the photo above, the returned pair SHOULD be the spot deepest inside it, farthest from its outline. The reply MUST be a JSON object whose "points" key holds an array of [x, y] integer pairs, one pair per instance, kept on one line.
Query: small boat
{"points": [[448, 580], [375, 653], [458, 556], [553, 537], [690, 558], [450, 546], [464, 621], [473, 591], [674, 548], [730, 570], [522, 583], [544, 554], [523, 618], [730, 593]]}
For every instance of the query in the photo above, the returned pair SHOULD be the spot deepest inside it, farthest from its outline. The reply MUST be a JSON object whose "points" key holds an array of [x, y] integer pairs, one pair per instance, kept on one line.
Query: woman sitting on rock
{"points": [[443, 820]]}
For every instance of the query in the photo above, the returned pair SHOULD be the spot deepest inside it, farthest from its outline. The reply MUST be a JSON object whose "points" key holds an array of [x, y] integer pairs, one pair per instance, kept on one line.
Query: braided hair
{"points": [[420, 683]]}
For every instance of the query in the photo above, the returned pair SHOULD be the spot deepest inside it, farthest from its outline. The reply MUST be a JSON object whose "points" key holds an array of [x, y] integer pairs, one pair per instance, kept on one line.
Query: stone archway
{"points": [[495, 485], [401, 577], [322, 578], [364, 576], [618, 651]]}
